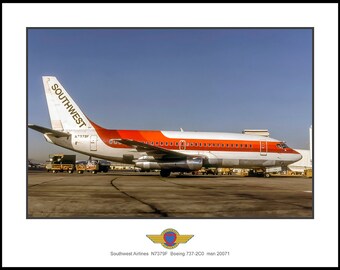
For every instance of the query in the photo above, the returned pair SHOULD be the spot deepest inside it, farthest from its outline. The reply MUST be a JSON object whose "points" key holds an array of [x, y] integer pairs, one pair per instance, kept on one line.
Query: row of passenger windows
{"points": [[202, 144]]}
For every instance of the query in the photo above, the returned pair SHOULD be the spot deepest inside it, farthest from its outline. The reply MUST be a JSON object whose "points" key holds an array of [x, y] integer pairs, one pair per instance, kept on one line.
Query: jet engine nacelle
{"points": [[190, 164]]}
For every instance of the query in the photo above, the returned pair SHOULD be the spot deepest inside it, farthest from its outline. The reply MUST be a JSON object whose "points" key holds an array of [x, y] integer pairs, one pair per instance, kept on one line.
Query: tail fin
{"points": [[64, 112]]}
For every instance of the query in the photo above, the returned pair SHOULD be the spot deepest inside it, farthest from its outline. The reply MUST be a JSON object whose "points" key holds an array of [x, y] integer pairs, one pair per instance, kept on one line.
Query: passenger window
{"points": [[218, 145], [200, 144], [171, 144], [192, 144], [236, 145], [222, 145], [166, 144], [156, 143], [176, 143], [151, 143], [161, 143]]}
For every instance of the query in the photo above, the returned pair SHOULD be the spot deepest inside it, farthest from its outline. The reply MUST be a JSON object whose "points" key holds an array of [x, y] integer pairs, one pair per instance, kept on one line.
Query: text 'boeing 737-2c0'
{"points": [[167, 151]]}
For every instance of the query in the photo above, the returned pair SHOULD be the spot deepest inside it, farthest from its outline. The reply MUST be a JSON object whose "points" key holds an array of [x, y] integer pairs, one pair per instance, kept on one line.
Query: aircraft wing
{"points": [[155, 151], [49, 131]]}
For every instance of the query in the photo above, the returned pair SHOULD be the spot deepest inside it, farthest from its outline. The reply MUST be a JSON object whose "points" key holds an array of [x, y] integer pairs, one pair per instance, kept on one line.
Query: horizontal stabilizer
{"points": [[48, 131]]}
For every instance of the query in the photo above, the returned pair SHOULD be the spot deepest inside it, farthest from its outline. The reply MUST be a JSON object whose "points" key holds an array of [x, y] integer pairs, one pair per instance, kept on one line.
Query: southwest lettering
{"points": [[73, 112], [68, 104], [62, 96], [80, 120], [58, 91], [76, 116], [66, 99]]}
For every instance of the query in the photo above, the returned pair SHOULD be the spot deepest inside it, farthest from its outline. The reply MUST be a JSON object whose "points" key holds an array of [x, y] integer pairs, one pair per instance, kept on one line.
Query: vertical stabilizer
{"points": [[64, 112]]}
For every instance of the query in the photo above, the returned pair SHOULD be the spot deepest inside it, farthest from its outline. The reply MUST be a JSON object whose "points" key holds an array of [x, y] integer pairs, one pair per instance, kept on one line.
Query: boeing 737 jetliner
{"points": [[168, 151]]}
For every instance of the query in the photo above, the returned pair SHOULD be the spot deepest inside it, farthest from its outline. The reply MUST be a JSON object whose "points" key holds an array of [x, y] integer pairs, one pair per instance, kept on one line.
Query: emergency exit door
{"points": [[93, 143], [263, 148]]}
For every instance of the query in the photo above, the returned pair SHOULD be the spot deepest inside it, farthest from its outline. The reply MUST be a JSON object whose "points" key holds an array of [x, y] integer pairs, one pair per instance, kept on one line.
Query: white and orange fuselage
{"points": [[169, 151]]}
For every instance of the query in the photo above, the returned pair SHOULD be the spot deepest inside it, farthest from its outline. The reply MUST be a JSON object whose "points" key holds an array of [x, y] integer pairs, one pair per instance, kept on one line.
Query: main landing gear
{"points": [[165, 173], [255, 173]]}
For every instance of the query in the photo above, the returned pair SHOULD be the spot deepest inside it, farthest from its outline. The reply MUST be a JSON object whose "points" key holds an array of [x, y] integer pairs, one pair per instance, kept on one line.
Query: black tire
{"points": [[165, 173]]}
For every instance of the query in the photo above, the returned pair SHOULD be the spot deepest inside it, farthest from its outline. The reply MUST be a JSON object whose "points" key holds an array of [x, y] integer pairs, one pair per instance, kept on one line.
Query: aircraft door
{"points": [[182, 145], [263, 148], [93, 143]]}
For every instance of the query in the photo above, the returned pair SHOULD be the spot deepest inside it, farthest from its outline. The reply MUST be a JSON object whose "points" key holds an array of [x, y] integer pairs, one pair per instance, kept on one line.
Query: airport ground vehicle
{"points": [[209, 171], [93, 166], [61, 163], [308, 173], [167, 151]]}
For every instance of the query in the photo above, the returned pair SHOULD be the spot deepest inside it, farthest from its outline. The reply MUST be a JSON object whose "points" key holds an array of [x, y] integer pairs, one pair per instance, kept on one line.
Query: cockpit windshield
{"points": [[282, 145]]}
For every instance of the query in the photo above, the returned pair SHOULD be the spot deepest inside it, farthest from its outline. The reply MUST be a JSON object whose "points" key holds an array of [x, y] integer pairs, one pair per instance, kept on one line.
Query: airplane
{"points": [[34, 165], [167, 151]]}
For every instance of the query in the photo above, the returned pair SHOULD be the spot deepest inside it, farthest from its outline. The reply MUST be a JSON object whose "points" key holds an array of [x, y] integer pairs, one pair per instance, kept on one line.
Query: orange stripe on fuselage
{"points": [[159, 140]]}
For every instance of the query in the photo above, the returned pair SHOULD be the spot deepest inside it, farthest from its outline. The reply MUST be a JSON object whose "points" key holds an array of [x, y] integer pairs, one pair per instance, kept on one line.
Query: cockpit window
{"points": [[282, 145]]}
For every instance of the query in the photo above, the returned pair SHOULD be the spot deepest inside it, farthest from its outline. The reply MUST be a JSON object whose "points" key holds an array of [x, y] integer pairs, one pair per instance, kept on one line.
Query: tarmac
{"points": [[147, 195]]}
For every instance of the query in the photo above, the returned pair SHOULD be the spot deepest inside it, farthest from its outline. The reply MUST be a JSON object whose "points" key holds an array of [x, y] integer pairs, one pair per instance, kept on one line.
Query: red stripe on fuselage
{"points": [[159, 140]]}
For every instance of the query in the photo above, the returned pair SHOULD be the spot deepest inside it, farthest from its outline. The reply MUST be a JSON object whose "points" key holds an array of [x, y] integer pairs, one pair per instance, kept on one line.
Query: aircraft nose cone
{"points": [[298, 156]]}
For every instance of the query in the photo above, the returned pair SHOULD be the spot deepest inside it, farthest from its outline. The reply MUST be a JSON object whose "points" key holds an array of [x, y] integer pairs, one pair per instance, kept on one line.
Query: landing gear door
{"points": [[263, 148], [93, 143]]}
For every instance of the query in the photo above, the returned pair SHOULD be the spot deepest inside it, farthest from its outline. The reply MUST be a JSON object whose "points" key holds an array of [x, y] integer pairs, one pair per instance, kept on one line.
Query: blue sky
{"points": [[222, 80]]}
